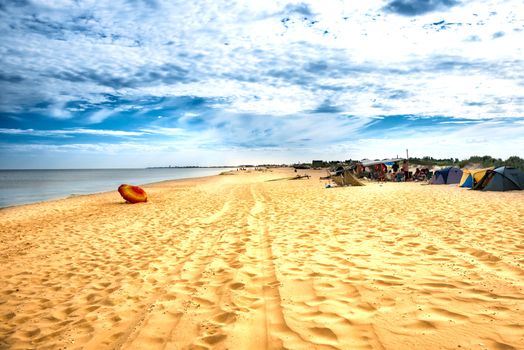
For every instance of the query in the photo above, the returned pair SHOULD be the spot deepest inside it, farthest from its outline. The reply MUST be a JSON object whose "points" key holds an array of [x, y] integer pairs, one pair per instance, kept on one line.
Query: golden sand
{"points": [[235, 262]]}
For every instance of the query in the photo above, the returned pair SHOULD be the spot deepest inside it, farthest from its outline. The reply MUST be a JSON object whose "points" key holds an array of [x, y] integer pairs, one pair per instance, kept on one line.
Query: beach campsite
{"points": [[254, 260], [262, 175]]}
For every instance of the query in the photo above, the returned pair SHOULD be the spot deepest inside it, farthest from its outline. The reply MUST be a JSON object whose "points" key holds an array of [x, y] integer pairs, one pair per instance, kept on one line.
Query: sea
{"points": [[30, 186]]}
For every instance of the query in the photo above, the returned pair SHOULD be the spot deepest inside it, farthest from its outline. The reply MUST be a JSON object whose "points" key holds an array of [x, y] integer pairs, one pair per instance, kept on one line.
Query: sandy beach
{"points": [[237, 262]]}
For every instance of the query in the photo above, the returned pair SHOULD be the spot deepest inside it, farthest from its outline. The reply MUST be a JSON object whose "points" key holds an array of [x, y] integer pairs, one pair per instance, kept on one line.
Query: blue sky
{"points": [[151, 83]]}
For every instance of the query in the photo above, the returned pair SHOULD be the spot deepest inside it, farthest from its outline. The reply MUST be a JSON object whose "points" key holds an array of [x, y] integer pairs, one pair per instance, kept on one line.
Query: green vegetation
{"points": [[515, 162], [428, 161], [324, 164], [484, 161]]}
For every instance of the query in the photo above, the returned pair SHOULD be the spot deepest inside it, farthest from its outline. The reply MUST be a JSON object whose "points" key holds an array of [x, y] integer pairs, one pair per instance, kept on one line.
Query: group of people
{"points": [[398, 172], [403, 174], [421, 174]]}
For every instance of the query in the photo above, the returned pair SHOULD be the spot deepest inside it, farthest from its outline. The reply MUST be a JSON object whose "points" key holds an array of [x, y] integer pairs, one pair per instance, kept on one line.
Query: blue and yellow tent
{"points": [[470, 177]]}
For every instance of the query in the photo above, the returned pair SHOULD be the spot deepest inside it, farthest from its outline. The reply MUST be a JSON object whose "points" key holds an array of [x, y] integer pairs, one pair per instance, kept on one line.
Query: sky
{"points": [[139, 83]]}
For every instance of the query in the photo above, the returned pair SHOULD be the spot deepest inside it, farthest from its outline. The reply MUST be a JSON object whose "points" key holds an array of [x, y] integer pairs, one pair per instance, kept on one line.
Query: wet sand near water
{"points": [[236, 262]]}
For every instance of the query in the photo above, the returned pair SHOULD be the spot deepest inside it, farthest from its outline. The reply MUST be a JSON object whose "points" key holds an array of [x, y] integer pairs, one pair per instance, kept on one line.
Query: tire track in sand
{"points": [[263, 323]]}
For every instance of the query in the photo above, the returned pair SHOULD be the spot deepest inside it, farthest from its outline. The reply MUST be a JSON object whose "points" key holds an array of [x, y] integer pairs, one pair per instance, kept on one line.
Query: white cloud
{"points": [[69, 132], [100, 116], [164, 131]]}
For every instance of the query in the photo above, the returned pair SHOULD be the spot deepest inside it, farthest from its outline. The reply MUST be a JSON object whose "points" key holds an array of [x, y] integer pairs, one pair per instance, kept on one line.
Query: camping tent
{"points": [[471, 177], [501, 179], [344, 177], [450, 175]]}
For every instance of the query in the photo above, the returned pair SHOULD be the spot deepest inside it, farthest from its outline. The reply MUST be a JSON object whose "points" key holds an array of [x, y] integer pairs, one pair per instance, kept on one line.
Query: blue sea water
{"points": [[30, 186]]}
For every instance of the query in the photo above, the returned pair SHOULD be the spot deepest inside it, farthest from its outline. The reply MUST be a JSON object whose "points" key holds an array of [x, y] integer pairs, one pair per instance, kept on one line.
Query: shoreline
{"points": [[146, 168], [239, 262], [70, 195]]}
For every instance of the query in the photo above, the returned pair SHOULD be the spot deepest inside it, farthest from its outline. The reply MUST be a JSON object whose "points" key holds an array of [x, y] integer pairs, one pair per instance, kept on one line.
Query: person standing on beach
{"points": [[405, 169], [395, 167]]}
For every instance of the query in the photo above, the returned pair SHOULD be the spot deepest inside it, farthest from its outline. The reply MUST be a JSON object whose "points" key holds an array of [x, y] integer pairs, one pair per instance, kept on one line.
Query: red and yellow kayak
{"points": [[132, 194]]}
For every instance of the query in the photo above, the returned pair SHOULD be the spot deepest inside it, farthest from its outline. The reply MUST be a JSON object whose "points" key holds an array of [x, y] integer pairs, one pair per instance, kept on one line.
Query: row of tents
{"points": [[503, 178]]}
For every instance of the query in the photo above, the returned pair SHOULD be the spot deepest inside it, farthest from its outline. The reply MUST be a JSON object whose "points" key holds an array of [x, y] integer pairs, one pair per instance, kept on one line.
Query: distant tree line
{"points": [[323, 164], [429, 161], [484, 161]]}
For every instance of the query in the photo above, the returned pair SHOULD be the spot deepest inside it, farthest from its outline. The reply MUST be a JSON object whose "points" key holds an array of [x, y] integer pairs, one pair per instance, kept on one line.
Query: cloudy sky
{"points": [[133, 83]]}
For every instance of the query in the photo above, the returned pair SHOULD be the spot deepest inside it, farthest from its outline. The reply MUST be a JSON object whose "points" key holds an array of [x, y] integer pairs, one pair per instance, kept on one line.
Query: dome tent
{"points": [[471, 177], [450, 175], [503, 178]]}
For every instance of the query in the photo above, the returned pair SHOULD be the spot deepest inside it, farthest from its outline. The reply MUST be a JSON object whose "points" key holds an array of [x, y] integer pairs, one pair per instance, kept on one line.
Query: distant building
{"points": [[317, 163]]}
